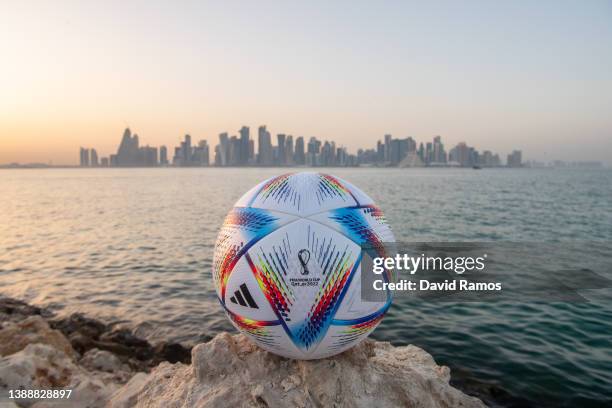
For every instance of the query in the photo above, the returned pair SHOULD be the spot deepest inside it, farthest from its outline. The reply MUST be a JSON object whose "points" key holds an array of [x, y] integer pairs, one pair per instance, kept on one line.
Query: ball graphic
{"points": [[287, 262]]}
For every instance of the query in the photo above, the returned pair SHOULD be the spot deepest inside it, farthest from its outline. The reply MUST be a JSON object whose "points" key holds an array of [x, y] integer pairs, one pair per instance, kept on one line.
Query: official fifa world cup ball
{"points": [[287, 265]]}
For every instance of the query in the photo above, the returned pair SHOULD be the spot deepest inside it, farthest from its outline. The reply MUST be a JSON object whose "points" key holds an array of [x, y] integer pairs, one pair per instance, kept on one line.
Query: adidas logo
{"points": [[243, 297]]}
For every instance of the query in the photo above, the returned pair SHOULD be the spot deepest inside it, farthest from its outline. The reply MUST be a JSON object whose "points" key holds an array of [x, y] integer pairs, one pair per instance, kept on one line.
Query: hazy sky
{"points": [[536, 76]]}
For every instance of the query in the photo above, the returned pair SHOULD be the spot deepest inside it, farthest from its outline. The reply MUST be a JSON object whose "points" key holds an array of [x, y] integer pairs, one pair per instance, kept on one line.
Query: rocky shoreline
{"points": [[85, 334], [112, 367]]}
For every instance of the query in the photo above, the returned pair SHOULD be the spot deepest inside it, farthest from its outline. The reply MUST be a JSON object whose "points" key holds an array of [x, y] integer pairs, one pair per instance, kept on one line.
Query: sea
{"points": [[134, 247]]}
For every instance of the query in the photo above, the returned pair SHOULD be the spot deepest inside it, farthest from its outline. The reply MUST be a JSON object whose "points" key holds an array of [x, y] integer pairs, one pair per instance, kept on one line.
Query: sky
{"points": [[534, 76]]}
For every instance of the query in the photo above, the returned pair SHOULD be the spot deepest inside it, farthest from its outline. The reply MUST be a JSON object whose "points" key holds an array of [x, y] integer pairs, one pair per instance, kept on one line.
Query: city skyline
{"points": [[240, 150], [499, 75]]}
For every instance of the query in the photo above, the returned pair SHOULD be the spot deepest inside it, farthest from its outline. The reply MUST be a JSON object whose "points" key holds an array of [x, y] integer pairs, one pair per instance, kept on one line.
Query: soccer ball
{"points": [[287, 265]]}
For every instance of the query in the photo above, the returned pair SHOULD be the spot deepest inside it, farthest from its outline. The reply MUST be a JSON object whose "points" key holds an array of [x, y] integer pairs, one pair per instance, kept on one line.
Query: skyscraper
{"points": [[128, 154], [223, 150], [281, 149], [380, 152], [183, 153], [186, 152], [313, 149], [93, 158], [265, 147], [515, 159], [235, 150], [299, 156], [84, 157], [201, 154], [429, 156], [289, 150], [148, 156], [244, 146], [460, 154], [163, 156], [439, 155], [387, 157]]}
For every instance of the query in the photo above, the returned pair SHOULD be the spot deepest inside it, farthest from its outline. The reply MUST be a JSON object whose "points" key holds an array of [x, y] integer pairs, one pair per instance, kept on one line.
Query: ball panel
{"points": [[241, 228], [354, 307], [304, 269], [340, 338], [364, 225], [270, 338], [360, 197], [244, 297], [300, 194], [249, 196]]}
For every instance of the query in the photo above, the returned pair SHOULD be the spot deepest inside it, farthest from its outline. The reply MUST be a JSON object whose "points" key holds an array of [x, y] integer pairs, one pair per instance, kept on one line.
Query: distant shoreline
{"points": [[600, 166]]}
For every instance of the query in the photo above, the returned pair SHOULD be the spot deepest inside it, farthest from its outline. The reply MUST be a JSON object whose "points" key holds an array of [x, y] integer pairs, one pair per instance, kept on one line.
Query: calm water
{"points": [[135, 247]]}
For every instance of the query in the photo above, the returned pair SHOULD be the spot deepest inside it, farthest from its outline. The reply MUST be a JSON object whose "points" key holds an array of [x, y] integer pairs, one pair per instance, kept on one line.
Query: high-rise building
{"points": [[183, 153], [148, 156], [515, 159], [327, 155], [244, 146], [289, 150], [300, 155], [394, 152], [265, 156], [280, 159], [201, 154], [380, 152], [439, 155], [251, 152], [84, 157], [460, 155], [487, 159], [421, 152], [128, 154], [387, 157], [163, 156], [235, 150], [186, 151], [429, 156], [312, 153], [93, 158], [223, 152]]}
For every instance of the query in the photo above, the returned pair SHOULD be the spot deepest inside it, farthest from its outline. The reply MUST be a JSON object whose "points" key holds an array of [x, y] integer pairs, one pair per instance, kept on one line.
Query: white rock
{"points": [[230, 371], [16, 336], [101, 360], [127, 396], [40, 366]]}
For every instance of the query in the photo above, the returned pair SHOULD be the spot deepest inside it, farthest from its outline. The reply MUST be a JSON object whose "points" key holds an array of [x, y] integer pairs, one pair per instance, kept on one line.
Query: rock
{"points": [[77, 323], [173, 353], [15, 337], [101, 360], [127, 396], [231, 371], [15, 310], [80, 342], [125, 337], [83, 334], [40, 366]]}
